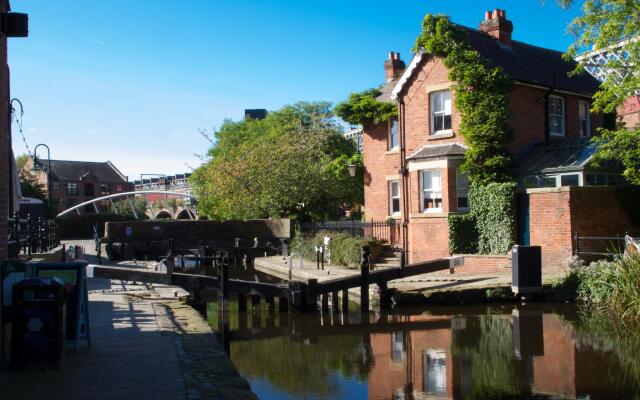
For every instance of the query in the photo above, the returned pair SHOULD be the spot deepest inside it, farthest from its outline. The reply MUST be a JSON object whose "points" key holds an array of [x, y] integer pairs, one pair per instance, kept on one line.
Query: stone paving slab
{"points": [[143, 348]]}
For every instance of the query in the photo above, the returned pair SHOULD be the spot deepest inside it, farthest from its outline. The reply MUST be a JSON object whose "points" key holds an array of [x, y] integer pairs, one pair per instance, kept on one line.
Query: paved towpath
{"points": [[144, 347]]}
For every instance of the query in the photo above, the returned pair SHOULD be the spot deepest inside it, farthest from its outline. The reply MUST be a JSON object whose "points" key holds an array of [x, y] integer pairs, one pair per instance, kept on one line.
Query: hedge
{"points": [[81, 226], [344, 248], [463, 235], [493, 207]]}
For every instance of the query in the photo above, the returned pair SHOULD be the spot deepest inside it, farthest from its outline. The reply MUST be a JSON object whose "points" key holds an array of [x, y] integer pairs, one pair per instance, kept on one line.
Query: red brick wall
{"points": [[379, 163], [5, 143], [476, 264], [629, 112], [557, 213], [428, 238]]}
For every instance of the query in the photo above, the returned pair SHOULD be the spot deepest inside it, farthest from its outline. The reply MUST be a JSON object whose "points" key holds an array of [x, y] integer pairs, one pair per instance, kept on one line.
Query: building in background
{"points": [[74, 182]]}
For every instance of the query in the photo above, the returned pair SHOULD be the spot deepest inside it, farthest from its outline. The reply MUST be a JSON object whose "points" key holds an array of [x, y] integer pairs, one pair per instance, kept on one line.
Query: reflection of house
{"points": [[477, 357], [74, 182]]}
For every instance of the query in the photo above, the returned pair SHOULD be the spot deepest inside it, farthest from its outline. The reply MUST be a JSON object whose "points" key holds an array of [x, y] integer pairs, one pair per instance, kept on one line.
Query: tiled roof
{"points": [[438, 150], [522, 62], [557, 156], [385, 91], [66, 170]]}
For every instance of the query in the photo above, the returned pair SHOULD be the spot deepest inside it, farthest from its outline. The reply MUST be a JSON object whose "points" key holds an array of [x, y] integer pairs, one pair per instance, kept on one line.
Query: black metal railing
{"points": [[595, 247], [30, 235], [382, 230]]}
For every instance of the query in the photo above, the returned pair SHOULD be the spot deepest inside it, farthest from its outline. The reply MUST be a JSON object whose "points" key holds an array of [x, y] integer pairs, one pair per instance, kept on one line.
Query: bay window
{"points": [[430, 191]]}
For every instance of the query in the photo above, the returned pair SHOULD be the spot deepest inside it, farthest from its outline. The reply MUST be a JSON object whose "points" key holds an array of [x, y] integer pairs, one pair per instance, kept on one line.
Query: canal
{"points": [[503, 351]]}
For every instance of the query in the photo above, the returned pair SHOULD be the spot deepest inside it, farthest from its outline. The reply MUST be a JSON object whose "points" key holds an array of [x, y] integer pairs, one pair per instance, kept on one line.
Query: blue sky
{"points": [[132, 81]]}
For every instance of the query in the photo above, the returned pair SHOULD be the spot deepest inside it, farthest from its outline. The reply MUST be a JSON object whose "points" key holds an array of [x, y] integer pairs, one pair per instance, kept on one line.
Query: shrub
{"points": [[493, 207], [343, 248], [463, 235]]}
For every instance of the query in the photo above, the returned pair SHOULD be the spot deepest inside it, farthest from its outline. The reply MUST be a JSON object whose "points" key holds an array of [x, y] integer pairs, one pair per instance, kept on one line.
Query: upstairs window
{"points": [[72, 189], [393, 134], [430, 191], [462, 190], [394, 197], [584, 119], [555, 110], [440, 105], [56, 185], [105, 189]]}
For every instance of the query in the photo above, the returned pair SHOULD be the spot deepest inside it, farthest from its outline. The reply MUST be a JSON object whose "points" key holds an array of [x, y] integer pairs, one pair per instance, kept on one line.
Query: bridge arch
{"points": [[184, 214], [163, 214]]}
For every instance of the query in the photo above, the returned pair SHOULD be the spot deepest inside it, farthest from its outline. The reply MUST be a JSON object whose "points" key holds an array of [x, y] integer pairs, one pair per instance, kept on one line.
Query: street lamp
{"points": [[352, 169], [35, 163]]}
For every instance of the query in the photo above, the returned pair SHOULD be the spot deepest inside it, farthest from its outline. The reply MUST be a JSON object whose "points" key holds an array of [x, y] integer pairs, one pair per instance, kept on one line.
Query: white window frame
{"points": [[461, 190], [561, 116], [444, 112], [74, 192], [390, 145], [392, 197], [433, 192], [587, 107]]}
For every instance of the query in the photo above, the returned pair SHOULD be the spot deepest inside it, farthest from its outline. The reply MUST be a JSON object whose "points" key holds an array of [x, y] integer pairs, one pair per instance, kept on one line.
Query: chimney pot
{"points": [[497, 25], [487, 15], [394, 66], [496, 14]]}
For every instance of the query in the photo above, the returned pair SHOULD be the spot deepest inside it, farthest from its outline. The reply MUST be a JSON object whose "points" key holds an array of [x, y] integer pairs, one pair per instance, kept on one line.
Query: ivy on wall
{"points": [[364, 109], [493, 209], [463, 235], [481, 96]]}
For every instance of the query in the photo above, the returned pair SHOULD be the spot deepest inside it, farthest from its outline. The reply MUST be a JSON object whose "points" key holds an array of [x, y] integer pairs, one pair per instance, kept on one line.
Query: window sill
{"points": [[557, 135], [393, 151], [395, 216], [429, 214], [441, 135]]}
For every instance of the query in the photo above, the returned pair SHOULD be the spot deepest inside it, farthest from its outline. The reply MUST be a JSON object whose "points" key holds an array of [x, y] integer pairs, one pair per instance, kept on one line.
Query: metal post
{"points": [[322, 256], [317, 258], [29, 235], [365, 254]]}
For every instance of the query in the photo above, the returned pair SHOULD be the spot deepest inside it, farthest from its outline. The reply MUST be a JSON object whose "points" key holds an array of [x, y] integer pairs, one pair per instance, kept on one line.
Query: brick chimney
{"points": [[394, 66], [497, 25]]}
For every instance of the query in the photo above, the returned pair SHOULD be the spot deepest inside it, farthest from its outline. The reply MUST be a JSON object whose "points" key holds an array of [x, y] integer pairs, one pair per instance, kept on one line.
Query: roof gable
{"points": [[520, 61], [65, 170]]}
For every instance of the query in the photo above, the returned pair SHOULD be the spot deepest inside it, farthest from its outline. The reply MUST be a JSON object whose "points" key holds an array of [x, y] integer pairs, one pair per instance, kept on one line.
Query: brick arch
{"points": [[164, 214], [183, 213]]}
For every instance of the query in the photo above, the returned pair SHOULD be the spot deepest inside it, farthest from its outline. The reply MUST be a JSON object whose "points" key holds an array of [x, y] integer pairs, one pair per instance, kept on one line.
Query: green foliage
{"points": [[493, 207], [29, 183], [463, 235], [364, 109], [481, 95], [291, 164], [122, 207], [612, 286], [603, 24], [344, 248]]}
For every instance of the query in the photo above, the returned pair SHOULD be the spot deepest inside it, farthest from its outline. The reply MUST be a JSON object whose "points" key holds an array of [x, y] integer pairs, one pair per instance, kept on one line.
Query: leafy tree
{"points": [[291, 164], [364, 109], [605, 24], [123, 207], [30, 185]]}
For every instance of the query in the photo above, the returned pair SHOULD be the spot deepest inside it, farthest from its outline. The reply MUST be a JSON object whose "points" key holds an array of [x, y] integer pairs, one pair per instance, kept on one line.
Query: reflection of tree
{"points": [[599, 335], [298, 367], [487, 342]]}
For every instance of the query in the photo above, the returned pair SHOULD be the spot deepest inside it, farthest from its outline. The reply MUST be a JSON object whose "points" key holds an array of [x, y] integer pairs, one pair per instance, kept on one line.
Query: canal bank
{"points": [[145, 345], [439, 288]]}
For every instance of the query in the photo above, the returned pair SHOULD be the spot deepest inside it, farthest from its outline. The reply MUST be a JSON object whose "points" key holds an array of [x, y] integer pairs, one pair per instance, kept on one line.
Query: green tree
{"points": [[364, 109], [123, 207], [29, 183], [291, 164], [606, 24]]}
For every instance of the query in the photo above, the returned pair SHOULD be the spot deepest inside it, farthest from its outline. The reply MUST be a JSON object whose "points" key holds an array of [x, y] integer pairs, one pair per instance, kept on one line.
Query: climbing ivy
{"points": [[364, 109], [481, 95]]}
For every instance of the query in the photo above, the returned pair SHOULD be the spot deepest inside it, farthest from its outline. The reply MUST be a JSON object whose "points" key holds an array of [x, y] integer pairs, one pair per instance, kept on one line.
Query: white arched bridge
{"points": [[177, 212]]}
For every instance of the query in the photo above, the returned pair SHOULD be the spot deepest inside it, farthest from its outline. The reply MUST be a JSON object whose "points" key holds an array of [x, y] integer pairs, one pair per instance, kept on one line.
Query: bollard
{"points": [[365, 254]]}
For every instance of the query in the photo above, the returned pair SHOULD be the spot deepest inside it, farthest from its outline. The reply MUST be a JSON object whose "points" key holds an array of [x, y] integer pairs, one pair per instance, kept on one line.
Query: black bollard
{"points": [[365, 254]]}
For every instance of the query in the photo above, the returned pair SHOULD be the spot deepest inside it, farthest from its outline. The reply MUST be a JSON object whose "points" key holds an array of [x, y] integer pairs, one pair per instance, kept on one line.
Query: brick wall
{"points": [[380, 164], [629, 112], [478, 264], [5, 143], [557, 213]]}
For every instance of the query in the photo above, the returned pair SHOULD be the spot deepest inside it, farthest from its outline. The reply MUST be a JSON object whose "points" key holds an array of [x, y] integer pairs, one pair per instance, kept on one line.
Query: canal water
{"points": [[545, 351]]}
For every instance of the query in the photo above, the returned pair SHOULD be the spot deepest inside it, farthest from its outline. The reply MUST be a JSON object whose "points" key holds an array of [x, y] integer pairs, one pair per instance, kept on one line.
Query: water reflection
{"points": [[460, 353]]}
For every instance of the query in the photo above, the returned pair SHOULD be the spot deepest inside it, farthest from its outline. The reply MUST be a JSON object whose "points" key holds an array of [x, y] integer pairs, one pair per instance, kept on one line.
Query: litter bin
{"points": [[37, 334]]}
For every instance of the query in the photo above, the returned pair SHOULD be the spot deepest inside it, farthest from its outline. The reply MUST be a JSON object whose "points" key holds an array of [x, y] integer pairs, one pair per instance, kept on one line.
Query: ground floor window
{"points": [[394, 197], [430, 191], [462, 190]]}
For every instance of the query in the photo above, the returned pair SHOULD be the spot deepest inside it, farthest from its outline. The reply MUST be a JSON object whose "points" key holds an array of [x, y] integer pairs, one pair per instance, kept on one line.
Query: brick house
{"points": [[74, 182], [412, 165]]}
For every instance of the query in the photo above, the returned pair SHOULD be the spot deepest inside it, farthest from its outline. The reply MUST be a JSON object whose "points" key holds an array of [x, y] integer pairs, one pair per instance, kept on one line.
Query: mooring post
{"points": [[242, 302], [312, 293], [325, 302], [317, 258], [345, 300], [334, 302], [365, 254]]}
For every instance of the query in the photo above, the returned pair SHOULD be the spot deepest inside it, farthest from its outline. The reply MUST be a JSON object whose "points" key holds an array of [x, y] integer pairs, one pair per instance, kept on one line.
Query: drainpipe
{"points": [[405, 178]]}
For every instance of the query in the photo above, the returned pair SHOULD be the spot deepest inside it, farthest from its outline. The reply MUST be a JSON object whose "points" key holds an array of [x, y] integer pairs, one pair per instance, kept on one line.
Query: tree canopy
{"points": [[613, 25], [29, 183], [291, 164], [364, 109]]}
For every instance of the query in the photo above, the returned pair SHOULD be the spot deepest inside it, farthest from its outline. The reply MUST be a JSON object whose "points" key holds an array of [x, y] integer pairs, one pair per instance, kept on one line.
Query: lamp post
{"points": [[35, 163]]}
